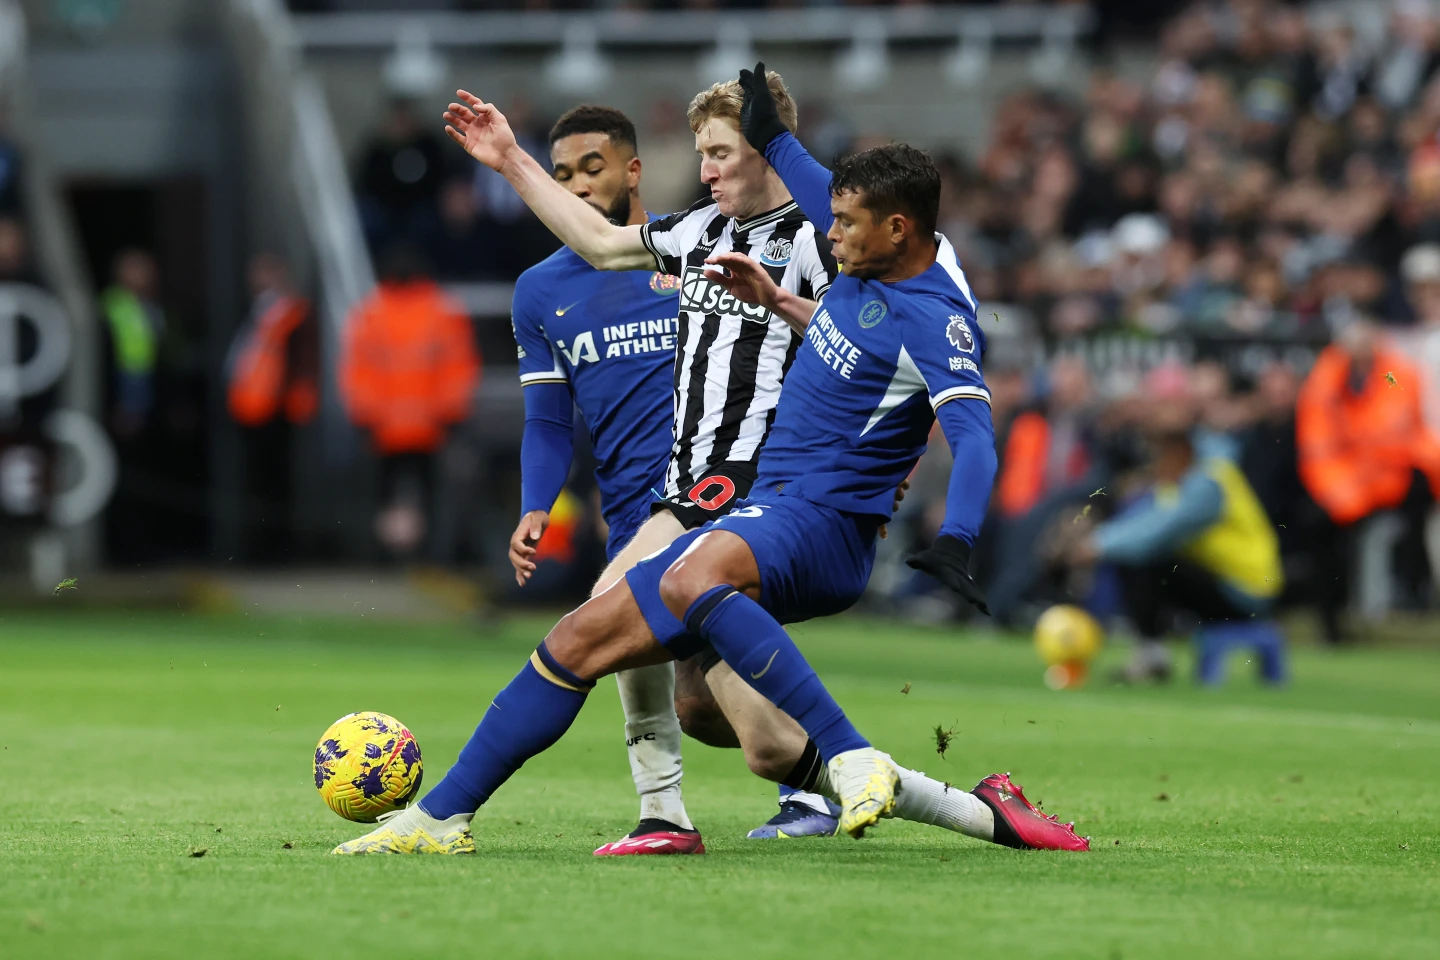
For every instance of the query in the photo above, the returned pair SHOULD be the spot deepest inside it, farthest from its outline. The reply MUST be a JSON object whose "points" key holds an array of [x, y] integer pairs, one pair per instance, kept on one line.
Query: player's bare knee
{"points": [[684, 583], [704, 721], [769, 761]]}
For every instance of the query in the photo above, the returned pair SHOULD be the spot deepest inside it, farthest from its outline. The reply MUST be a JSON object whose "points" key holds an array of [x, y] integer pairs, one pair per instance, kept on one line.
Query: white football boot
{"points": [[412, 830], [865, 780]]}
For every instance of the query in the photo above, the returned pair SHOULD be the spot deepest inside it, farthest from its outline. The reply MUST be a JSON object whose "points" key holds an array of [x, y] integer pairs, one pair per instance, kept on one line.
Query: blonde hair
{"points": [[723, 101]]}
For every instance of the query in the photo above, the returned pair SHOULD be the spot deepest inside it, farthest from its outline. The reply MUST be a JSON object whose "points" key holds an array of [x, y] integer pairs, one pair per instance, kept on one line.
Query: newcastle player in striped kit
{"points": [[731, 359]]}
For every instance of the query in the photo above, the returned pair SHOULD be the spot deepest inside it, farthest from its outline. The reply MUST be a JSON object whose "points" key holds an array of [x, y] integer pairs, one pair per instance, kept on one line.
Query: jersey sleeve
{"points": [[818, 268], [547, 446], [670, 238], [805, 177], [539, 361], [944, 342]]}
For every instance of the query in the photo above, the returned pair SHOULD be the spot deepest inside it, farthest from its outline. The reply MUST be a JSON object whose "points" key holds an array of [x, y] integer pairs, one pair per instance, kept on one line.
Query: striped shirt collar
{"points": [[779, 213]]}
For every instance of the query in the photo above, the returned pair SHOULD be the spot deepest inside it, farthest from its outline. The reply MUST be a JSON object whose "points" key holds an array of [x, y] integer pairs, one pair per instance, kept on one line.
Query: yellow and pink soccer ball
{"points": [[367, 764], [1067, 639]]}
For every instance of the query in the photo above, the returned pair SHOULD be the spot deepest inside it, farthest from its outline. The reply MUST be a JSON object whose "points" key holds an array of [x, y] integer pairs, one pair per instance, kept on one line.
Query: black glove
{"points": [[759, 120], [948, 560]]}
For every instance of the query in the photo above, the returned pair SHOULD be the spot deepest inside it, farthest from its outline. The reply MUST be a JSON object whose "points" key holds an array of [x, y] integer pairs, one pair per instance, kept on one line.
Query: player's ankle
{"points": [[666, 805]]}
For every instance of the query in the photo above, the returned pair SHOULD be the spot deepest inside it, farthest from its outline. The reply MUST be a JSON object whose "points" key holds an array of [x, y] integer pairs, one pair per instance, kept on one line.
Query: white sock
{"points": [[812, 800], [920, 799], [923, 800], [652, 736]]}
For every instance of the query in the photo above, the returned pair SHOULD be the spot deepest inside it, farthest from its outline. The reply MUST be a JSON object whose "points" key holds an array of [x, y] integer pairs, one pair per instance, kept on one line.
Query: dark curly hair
{"points": [[896, 178], [589, 118]]}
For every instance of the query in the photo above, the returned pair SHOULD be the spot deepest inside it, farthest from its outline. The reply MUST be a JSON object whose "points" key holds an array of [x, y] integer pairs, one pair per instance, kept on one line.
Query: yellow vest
{"points": [[1240, 547]]}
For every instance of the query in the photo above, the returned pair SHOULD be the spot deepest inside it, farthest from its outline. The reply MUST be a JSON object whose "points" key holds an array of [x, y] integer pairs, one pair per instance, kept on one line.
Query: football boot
{"points": [[1018, 824], [412, 830], [654, 836], [866, 780]]}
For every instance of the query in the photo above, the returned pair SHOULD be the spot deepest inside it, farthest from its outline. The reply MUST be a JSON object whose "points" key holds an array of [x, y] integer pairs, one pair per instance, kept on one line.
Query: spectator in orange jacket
{"points": [[1360, 430], [273, 364], [408, 371], [1364, 448], [273, 374]]}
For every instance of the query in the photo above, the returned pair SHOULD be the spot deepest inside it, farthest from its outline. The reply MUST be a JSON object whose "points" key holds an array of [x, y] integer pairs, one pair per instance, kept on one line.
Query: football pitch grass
{"points": [[1240, 822]]}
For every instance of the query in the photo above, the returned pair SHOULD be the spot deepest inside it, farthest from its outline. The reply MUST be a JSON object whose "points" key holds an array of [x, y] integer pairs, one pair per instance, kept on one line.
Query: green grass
{"points": [[1299, 823]]}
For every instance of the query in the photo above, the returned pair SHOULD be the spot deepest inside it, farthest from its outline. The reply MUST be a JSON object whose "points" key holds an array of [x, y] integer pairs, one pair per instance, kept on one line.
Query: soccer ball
{"points": [[367, 764], [1066, 634]]}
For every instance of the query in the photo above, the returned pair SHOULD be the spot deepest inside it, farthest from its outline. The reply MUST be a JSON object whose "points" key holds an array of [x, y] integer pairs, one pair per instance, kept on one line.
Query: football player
{"points": [[893, 345]]}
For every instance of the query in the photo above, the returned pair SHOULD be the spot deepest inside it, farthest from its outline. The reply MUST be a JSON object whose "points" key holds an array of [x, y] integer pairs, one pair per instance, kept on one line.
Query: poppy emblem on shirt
{"points": [[959, 335], [872, 313], [664, 284]]}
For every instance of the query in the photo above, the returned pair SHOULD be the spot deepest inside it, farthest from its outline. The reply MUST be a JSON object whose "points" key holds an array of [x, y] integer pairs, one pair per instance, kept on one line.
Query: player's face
{"points": [[732, 169], [590, 166], [866, 246]]}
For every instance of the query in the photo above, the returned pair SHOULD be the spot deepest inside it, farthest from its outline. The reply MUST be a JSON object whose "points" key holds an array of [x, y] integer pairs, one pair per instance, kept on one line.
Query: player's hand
{"points": [[759, 119], [524, 541], [481, 129], [744, 278], [948, 560]]}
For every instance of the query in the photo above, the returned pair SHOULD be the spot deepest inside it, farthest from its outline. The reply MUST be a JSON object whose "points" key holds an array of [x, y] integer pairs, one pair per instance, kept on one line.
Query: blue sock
{"points": [[758, 649], [524, 719]]}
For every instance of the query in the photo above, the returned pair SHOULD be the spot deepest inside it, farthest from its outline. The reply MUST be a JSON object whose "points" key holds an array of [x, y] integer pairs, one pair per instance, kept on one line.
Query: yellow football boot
{"points": [[866, 780], [412, 830]]}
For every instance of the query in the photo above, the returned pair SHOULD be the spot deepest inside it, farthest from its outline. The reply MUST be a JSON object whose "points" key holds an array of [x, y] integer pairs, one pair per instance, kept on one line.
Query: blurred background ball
{"points": [[367, 764], [1066, 634]]}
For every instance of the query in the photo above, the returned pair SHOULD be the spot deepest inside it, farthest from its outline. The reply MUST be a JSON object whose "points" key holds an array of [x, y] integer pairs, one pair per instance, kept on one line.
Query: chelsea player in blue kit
{"points": [[893, 341], [605, 342]]}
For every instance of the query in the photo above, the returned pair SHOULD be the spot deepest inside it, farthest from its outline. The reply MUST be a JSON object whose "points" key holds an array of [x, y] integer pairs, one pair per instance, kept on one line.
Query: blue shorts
{"points": [[814, 561]]}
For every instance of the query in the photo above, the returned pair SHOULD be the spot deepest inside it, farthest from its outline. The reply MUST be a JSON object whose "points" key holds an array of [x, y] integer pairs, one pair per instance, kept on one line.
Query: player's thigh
{"points": [[654, 534], [605, 634], [772, 740]]}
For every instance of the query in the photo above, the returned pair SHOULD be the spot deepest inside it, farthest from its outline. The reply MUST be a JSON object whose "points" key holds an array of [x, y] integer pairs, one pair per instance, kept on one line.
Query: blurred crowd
{"points": [[1250, 233], [1258, 222]]}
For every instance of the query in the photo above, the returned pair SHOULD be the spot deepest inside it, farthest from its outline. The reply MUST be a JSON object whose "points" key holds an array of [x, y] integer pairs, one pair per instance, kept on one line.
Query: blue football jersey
{"points": [[857, 407], [611, 338]]}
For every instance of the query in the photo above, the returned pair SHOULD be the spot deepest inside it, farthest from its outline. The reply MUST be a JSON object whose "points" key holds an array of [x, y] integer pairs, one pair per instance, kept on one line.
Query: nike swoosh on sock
{"points": [[757, 676]]}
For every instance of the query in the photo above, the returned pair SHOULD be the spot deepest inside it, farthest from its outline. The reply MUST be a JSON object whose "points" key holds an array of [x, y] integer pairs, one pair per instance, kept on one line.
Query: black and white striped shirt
{"points": [[732, 356]]}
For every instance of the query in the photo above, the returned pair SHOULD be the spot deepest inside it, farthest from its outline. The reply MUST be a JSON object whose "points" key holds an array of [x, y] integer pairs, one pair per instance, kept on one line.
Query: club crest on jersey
{"points": [[959, 335], [777, 252], [664, 284], [872, 313]]}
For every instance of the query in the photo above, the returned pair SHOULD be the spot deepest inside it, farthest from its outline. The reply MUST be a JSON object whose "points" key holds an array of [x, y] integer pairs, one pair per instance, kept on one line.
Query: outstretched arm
{"points": [[805, 178], [486, 135]]}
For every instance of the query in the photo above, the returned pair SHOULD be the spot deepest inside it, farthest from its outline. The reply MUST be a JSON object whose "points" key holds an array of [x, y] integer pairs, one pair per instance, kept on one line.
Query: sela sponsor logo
{"points": [[777, 252], [664, 284], [872, 313], [963, 363], [702, 295], [959, 335]]}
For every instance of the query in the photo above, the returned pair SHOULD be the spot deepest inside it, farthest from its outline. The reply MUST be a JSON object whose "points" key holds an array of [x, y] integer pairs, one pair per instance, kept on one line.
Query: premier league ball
{"points": [[367, 764], [1067, 639]]}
